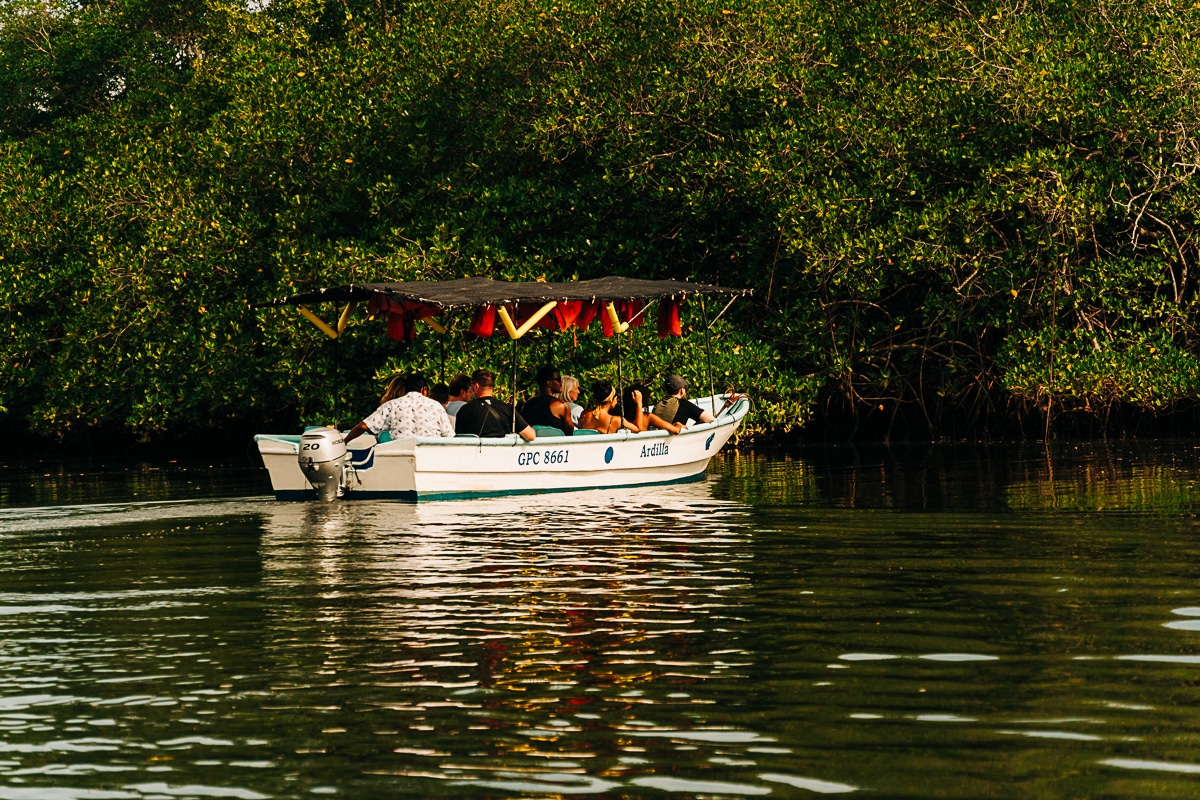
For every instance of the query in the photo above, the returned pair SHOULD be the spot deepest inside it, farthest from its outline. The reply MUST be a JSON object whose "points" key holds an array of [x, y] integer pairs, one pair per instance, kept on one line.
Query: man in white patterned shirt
{"points": [[414, 414]]}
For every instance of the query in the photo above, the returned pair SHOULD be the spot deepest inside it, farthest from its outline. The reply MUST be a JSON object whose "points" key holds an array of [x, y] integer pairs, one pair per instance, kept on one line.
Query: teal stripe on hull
{"points": [[413, 497], [699, 476]]}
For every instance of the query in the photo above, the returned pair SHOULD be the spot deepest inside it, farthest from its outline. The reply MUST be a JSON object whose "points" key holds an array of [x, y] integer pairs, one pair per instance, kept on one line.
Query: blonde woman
{"points": [[598, 415], [570, 396]]}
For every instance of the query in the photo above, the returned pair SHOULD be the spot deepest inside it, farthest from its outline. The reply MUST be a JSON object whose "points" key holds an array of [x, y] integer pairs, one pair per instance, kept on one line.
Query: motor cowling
{"points": [[322, 459]]}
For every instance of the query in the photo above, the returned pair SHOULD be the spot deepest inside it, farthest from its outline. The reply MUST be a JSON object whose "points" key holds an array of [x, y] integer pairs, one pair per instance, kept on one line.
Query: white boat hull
{"points": [[446, 469]]}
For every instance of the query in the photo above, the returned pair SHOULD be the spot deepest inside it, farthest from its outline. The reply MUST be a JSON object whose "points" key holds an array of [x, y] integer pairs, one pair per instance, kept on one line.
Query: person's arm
{"points": [[656, 421], [355, 432], [634, 424], [563, 411], [524, 429], [692, 412], [640, 420], [613, 423]]}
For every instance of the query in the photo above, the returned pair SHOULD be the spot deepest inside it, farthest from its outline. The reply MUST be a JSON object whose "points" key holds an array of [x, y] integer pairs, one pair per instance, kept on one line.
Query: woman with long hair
{"points": [[395, 388], [598, 415], [633, 408]]}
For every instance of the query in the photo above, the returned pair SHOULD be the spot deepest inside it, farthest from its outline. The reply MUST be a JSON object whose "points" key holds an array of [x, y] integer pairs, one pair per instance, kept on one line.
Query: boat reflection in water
{"points": [[581, 646]]}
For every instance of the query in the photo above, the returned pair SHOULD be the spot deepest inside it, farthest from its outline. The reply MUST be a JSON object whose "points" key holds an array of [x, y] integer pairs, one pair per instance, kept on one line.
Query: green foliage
{"points": [[1147, 368], [740, 362], [936, 205]]}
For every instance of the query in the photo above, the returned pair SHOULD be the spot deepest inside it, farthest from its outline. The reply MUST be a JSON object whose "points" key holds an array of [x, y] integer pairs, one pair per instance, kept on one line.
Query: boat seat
{"points": [[384, 436], [465, 436], [586, 432], [547, 431]]}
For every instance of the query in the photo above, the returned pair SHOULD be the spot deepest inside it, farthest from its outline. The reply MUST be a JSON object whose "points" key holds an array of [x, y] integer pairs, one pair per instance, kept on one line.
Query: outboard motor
{"points": [[322, 460]]}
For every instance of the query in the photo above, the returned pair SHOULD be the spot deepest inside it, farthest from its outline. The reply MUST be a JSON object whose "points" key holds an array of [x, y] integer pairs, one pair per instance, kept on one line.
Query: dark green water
{"points": [[942, 623]]}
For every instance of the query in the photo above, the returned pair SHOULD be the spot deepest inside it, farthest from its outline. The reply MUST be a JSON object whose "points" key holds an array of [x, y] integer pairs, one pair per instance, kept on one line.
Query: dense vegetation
{"points": [[949, 212]]}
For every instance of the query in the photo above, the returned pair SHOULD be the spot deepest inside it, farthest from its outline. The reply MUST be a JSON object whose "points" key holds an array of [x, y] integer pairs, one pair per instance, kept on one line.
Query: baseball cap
{"points": [[673, 383]]}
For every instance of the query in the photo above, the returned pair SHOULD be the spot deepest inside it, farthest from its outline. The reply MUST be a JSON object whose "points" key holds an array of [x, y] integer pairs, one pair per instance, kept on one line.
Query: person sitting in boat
{"points": [[569, 395], [412, 414], [460, 393], [635, 410], [675, 407], [441, 393], [598, 416], [395, 389], [547, 408], [487, 417]]}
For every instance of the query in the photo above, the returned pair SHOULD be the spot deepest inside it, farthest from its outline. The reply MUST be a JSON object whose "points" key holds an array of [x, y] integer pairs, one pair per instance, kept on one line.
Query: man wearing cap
{"points": [[675, 408]]}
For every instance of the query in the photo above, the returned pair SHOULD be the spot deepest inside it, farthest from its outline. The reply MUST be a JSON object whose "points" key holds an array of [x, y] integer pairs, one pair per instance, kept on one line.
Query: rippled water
{"points": [[949, 623]]}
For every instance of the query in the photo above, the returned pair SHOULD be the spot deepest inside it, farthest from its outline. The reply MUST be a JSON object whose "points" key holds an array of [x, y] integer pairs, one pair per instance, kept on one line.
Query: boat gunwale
{"points": [[731, 416]]}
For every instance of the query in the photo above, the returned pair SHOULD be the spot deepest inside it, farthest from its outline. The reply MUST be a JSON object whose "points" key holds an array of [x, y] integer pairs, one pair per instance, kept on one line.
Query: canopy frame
{"points": [[422, 300], [432, 297]]}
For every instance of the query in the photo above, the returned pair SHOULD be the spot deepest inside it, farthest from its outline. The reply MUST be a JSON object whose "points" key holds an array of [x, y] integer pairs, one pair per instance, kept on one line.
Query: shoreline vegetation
{"points": [[960, 220]]}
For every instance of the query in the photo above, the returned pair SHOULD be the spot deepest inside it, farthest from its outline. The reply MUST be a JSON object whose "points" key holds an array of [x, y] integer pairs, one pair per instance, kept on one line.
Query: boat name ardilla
{"points": [[659, 449]]}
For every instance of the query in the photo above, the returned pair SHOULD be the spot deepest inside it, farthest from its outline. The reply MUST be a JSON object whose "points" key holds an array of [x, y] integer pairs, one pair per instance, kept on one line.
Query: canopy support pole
{"points": [[514, 386], [315, 320], [336, 386], [344, 319], [708, 354], [433, 323], [516, 332], [620, 379], [618, 326], [723, 310]]}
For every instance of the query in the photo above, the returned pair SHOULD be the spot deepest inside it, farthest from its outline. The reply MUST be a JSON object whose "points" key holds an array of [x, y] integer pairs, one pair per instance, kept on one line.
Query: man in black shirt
{"points": [[487, 417], [674, 408], [546, 408]]}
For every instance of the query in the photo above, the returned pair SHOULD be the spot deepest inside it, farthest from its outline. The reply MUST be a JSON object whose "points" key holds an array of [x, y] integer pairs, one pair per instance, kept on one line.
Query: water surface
{"points": [[933, 623]]}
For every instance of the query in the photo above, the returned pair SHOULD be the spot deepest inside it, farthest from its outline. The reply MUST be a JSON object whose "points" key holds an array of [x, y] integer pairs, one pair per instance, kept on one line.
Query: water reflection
{"points": [[86, 482], [794, 626], [573, 639], [1131, 475]]}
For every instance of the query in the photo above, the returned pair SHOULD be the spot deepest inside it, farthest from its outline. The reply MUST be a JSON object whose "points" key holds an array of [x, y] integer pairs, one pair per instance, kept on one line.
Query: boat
{"points": [[318, 464]]}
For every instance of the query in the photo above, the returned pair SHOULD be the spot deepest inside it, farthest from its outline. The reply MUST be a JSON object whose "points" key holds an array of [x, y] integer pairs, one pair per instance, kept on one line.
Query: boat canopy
{"points": [[520, 306]]}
